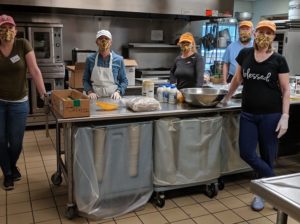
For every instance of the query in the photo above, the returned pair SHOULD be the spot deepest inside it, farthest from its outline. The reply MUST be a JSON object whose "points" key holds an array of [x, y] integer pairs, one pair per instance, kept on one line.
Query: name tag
{"points": [[15, 59]]}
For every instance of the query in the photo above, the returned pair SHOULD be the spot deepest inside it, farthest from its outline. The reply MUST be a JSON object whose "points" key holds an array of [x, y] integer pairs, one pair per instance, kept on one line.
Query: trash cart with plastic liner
{"points": [[112, 169], [186, 153]]}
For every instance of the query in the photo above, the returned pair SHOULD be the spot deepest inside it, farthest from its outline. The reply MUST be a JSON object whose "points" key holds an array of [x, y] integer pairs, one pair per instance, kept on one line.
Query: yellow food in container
{"points": [[107, 106]]}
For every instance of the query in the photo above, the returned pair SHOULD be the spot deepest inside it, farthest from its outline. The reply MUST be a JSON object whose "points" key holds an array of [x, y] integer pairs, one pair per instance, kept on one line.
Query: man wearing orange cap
{"points": [[229, 67]]}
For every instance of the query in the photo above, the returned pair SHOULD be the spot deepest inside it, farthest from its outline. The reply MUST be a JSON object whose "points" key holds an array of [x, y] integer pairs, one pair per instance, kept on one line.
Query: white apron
{"points": [[103, 79]]}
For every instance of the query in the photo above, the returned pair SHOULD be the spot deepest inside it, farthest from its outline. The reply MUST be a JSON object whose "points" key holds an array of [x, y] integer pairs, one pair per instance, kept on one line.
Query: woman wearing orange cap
{"points": [[265, 102], [188, 67]]}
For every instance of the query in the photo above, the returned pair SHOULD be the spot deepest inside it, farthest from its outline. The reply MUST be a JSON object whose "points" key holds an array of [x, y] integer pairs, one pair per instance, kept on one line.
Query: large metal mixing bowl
{"points": [[204, 97]]}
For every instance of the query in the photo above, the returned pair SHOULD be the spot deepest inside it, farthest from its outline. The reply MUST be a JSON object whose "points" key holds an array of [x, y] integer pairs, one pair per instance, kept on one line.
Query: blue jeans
{"points": [[13, 117], [259, 129]]}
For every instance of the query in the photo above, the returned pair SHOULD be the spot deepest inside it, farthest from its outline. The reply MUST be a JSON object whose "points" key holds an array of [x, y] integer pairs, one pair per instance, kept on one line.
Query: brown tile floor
{"points": [[36, 200]]}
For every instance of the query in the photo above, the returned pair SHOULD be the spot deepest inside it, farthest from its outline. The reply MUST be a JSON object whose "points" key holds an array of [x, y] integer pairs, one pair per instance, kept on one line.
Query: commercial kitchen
{"points": [[89, 165]]}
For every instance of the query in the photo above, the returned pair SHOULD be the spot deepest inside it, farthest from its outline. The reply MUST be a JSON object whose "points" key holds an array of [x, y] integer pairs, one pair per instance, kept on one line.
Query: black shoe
{"points": [[16, 174], [8, 183]]}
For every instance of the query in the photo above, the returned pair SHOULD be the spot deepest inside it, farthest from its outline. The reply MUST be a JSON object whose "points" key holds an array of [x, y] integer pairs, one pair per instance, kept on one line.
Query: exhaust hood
{"points": [[162, 7]]}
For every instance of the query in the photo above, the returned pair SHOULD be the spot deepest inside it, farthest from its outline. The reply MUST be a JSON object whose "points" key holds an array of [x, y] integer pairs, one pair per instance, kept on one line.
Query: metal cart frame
{"points": [[65, 156]]}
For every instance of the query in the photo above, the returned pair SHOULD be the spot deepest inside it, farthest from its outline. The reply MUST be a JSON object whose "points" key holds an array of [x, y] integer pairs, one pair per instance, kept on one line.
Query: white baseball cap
{"points": [[103, 33]]}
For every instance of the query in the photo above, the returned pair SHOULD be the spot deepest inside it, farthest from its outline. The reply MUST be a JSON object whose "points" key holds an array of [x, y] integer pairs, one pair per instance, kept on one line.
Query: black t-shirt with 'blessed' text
{"points": [[261, 90]]}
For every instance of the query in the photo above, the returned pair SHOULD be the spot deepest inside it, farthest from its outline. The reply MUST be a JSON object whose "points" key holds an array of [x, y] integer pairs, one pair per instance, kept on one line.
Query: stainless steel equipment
{"points": [[172, 7], [46, 40], [287, 44], [240, 16], [79, 55], [154, 60], [283, 192], [37, 105], [162, 73], [204, 97]]}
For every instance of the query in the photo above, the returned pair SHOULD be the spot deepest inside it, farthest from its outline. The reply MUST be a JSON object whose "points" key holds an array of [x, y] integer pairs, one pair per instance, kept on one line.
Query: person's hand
{"points": [[282, 125], [44, 97], [179, 96], [93, 96], [224, 101], [116, 95]]}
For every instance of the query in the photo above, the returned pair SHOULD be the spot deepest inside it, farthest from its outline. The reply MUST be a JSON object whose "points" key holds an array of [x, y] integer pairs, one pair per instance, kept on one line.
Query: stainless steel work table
{"points": [[97, 117], [283, 192]]}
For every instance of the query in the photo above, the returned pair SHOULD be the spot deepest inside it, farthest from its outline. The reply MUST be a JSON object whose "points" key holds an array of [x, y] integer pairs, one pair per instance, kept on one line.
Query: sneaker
{"points": [[257, 204], [16, 174], [8, 183]]}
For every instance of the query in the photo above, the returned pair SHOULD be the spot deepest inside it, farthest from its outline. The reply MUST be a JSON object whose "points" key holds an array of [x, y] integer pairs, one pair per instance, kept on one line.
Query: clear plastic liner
{"points": [[112, 169], [231, 161], [187, 151]]}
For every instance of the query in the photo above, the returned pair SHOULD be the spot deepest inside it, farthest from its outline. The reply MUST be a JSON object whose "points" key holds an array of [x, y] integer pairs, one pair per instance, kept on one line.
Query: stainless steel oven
{"points": [[46, 40], [36, 104]]}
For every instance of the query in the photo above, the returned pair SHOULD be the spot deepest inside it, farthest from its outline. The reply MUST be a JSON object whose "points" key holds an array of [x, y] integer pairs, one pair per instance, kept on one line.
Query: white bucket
{"points": [[148, 88], [294, 10]]}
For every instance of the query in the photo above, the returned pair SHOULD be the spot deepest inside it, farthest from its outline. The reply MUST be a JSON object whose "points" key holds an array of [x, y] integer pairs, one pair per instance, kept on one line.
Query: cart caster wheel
{"points": [[159, 200], [70, 212], [56, 179], [211, 190], [221, 184]]}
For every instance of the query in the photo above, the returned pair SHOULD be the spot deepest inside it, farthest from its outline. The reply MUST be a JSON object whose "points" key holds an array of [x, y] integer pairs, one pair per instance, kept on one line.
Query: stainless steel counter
{"points": [[283, 192], [65, 154], [97, 117], [166, 110]]}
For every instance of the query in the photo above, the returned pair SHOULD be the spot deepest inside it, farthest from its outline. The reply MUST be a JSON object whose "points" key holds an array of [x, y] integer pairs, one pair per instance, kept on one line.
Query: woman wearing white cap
{"points": [[104, 74]]}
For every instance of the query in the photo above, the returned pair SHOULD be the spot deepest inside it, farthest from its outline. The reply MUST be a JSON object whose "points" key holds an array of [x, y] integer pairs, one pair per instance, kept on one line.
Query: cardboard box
{"points": [[130, 66], [70, 103], [75, 73]]}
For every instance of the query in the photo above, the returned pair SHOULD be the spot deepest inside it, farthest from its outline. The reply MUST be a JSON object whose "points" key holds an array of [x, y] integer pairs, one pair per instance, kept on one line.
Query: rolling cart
{"points": [[108, 168], [186, 153]]}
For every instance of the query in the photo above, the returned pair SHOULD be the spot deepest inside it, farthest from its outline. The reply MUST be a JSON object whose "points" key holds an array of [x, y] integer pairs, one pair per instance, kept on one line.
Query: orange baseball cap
{"points": [[246, 23], [186, 37], [266, 23]]}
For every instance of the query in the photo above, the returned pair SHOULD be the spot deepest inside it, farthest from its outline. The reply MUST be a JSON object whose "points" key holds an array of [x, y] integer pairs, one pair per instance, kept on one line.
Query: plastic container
{"points": [[160, 93], [166, 93], [173, 95], [148, 88], [294, 10]]}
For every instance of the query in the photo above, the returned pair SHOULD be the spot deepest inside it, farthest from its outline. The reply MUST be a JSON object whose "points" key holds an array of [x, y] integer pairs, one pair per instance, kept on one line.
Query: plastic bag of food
{"points": [[142, 103]]}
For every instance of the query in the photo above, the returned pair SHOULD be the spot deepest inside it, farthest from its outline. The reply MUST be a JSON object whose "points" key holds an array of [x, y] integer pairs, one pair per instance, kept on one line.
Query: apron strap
{"points": [[110, 60]]}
